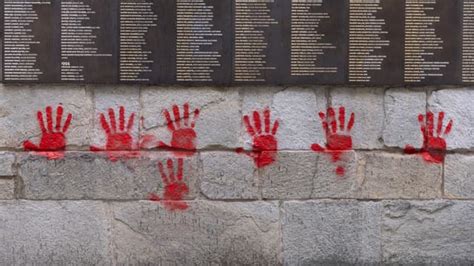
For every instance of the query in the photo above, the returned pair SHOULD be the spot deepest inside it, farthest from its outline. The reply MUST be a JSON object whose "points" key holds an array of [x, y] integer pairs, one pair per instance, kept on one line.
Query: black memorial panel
{"points": [[89, 41], [31, 41], [376, 38], [260, 56], [433, 41], [147, 41], [315, 37]]}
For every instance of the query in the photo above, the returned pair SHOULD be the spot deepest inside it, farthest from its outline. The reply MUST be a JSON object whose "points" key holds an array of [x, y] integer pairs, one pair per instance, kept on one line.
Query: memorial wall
{"points": [[226, 42]]}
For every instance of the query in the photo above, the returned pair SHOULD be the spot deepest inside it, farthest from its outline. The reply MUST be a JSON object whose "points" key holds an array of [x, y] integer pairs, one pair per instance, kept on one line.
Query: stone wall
{"points": [[365, 203]]}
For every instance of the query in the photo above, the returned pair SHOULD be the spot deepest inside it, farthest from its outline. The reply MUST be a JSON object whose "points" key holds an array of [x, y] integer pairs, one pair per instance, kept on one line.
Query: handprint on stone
{"points": [[175, 188], [264, 142], [434, 144], [53, 137], [119, 143], [338, 137], [183, 135]]}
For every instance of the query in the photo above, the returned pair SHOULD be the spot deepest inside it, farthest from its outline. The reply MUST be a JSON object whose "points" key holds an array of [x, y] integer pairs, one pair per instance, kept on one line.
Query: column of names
{"points": [[252, 19], [366, 37], [307, 42], [468, 42], [20, 61], [421, 42], [136, 20]]}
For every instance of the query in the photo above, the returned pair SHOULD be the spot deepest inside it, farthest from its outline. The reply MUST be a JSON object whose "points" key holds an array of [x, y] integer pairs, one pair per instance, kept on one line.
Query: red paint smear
{"points": [[264, 144], [175, 188], [53, 134], [120, 143], [340, 171], [183, 135], [434, 144], [338, 138]]}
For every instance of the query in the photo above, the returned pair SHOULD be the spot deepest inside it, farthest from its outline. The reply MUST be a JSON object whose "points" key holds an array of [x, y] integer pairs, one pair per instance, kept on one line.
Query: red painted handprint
{"points": [[265, 145], [53, 138], [175, 188], [338, 138], [183, 138], [119, 140], [434, 146]]}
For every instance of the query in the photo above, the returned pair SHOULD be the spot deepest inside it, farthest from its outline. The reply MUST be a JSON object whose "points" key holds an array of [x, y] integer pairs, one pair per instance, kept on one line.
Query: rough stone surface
{"points": [[219, 120], [228, 175], [331, 233], [428, 233], [290, 177], [297, 110], [208, 233], [459, 176], [7, 160], [395, 176], [90, 176], [367, 106], [7, 189], [402, 108], [115, 97], [54, 233], [329, 184], [20, 104], [457, 105]]}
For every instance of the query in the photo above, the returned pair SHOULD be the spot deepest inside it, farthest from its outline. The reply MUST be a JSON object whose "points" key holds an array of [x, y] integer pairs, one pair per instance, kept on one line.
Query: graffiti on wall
{"points": [[53, 136], [338, 135], [119, 139], [175, 187], [264, 141], [120, 143], [434, 143]]}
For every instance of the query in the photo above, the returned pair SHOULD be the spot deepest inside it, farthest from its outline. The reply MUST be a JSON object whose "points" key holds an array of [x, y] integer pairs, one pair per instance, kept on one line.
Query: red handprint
{"points": [[183, 139], [119, 140], [265, 145], [175, 188], [434, 146], [53, 139], [338, 139]]}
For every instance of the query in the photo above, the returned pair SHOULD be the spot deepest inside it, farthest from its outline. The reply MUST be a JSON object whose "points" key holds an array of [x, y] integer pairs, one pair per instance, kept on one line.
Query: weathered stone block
{"points": [[402, 108], [290, 177], [428, 233], [7, 189], [459, 176], [399, 176], [90, 176], [457, 104], [20, 104], [208, 233], [219, 119], [367, 106], [7, 160], [331, 233], [106, 97], [228, 175], [332, 182], [54, 233], [297, 110]]}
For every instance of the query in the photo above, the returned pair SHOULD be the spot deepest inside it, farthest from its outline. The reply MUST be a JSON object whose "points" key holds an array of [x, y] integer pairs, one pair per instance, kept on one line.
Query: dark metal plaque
{"points": [[260, 56], [147, 41], [315, 40], [89, 41], [221, 42], [433, 42], [376, 38], [31, 41]]}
